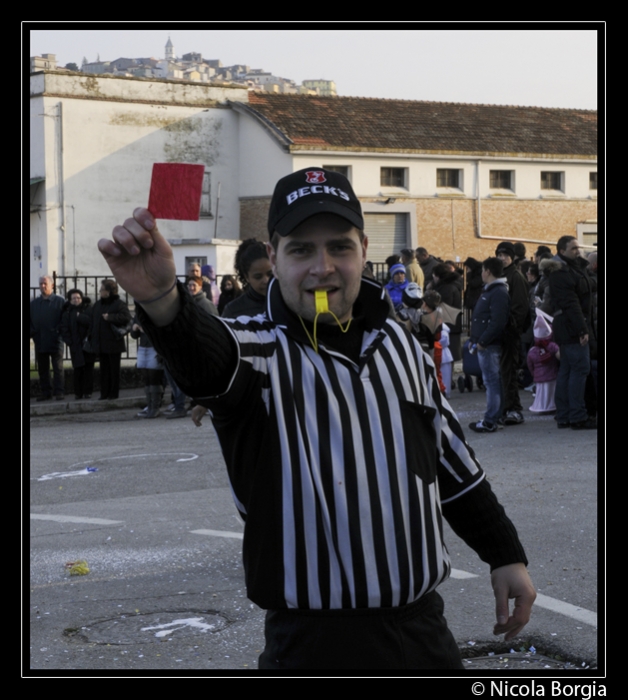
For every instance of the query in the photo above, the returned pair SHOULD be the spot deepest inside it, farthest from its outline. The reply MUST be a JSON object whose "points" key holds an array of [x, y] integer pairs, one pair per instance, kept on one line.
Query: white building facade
{"points": [[94, 140]]}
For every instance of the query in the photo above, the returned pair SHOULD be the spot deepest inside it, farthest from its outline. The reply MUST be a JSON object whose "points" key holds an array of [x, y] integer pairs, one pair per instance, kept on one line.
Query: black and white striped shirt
{"points": [[339, 468]]}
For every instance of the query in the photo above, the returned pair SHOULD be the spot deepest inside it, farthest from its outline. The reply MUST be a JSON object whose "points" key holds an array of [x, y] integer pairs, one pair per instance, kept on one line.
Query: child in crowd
{"points": [[543, 364]]}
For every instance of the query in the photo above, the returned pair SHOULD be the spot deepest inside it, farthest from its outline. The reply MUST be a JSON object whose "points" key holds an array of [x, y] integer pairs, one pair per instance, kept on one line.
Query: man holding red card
{"points": [[342, 454]]}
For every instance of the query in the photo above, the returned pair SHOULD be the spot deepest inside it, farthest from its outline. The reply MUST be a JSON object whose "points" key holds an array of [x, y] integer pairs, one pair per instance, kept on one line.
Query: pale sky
{"points": [[555, 66]]}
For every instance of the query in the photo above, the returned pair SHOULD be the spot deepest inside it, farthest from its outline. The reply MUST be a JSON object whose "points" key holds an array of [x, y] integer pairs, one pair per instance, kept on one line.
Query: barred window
{"points": [[501, 179], [446, 177], [393, 177], [342, 169], [552, 180]]}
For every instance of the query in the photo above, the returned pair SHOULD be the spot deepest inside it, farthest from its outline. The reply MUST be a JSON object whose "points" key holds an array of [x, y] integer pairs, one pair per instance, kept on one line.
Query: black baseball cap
{"points": [[308, 192]]}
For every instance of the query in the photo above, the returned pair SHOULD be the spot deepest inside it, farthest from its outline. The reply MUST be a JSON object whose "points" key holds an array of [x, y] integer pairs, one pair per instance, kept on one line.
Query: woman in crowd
{"points": [[75, 322], [152, 368], [110, 312], [230, 289], [195, 287], [474, 282], [254, 272], [448, 283]]}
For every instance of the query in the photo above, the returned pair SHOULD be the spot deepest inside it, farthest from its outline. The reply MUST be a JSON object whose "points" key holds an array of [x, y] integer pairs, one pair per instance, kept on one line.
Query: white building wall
{"points": [[421, 174], [110, 142], [262, 160]]}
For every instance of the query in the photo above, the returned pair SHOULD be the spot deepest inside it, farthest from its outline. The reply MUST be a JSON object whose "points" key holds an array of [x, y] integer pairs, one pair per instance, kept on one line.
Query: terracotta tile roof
{"points": [[365, 124]]}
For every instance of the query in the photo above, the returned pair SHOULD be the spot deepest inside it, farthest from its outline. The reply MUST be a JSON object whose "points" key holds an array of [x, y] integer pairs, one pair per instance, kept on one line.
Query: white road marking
{"points": [[218, 533], [574, 611], [75, 519], [188, 457], [196, 622], [63, 475], [545, 601], [459, 573]]}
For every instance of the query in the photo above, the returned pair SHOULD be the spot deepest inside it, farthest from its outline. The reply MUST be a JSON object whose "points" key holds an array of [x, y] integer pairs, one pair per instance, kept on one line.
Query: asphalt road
{"points": [[156, 524]]}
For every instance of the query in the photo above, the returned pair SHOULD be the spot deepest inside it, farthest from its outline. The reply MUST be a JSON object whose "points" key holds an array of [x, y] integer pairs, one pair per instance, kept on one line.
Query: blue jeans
{"points": [[572, 378], [489, 360], [178, 397]]}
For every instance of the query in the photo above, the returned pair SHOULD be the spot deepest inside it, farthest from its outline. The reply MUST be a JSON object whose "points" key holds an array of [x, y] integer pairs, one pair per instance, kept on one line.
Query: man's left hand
{"points": [[512, 581]]}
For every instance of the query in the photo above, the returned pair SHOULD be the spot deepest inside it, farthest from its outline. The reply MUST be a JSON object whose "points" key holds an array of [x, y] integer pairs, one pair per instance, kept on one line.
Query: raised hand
{"points": [[140, 258]]}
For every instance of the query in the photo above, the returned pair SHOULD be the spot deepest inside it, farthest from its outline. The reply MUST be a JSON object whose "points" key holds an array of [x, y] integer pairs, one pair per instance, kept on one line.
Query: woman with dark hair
{"points": [[75, 321], [109, 312], [448, 284], [255, 272], [230, 289], [474, 283]]}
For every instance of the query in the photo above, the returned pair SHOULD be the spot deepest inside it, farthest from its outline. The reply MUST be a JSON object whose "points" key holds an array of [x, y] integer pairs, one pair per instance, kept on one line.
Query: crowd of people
{"points": [[523, 312], [510, 305], [96, 332]]}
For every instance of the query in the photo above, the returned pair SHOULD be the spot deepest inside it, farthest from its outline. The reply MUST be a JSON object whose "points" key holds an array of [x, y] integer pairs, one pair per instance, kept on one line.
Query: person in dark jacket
{"points": [[571, 290], [448, 283], [230, 289], [195, 287], [109, 311], [45, 313], [254, 272], [490, 318], [75, 322], [474, 282], [428, 263], [511, 359]]}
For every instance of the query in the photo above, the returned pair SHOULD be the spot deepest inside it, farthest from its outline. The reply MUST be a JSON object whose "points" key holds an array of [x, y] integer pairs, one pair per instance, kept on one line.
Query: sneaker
{"points": [[482, 427], [142, 413], [588, 424], [177, 413], [513, 418]]}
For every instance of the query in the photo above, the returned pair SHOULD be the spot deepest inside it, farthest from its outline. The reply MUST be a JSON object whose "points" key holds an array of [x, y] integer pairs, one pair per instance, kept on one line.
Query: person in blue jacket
{"points": [[490, 319], [397, 284]]}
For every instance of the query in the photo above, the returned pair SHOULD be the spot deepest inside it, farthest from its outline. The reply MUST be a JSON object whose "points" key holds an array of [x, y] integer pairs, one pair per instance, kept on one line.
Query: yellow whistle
{"points": [[322, 305]]}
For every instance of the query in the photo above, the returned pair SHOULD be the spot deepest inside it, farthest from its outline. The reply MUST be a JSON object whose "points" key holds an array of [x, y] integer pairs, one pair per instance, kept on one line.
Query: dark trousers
{"points": [[44, 359], [414, 636], [571, 383], [84, 377], [509, 365], [110, 374]]}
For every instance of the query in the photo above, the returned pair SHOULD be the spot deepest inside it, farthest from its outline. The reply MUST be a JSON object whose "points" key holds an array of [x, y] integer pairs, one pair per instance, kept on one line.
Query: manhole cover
{"points": [[154, 627]]}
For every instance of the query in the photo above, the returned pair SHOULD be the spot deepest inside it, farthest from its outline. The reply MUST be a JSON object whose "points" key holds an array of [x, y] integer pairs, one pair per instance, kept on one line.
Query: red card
{"points": [[175, 191]]}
